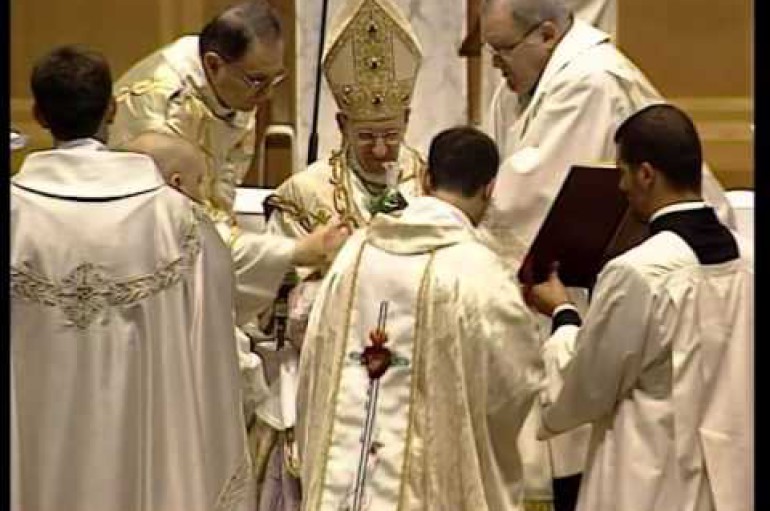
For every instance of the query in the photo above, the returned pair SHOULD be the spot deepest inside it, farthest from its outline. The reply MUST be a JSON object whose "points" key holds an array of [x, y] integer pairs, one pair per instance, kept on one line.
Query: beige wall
{"points": [[699, 55]]}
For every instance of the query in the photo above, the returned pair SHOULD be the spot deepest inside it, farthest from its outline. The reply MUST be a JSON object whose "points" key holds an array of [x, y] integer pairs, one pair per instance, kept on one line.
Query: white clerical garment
{"points": [[328, 190], [587, 89], [463, 372], [663, 368], [124, 381], [168, 91]]}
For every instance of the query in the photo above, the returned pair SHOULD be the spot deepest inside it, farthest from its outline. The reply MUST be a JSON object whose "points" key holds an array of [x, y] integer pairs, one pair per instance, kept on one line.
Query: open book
{"points": [[588, 224]]}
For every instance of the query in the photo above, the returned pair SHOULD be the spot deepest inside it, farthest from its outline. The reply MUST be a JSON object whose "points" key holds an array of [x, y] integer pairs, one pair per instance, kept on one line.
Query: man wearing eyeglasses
{"points": [[573, 88], [373, 95], [207, 89]]}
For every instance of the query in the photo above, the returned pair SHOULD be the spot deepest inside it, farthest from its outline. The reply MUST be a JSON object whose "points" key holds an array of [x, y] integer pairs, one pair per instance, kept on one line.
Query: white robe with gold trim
{"points": [[466, 368], [124, 381]]}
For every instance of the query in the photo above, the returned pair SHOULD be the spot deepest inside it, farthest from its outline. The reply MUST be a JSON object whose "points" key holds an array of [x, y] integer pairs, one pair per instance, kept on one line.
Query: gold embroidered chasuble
{"points": [[447, 415], [330, 190], [168, 92]]}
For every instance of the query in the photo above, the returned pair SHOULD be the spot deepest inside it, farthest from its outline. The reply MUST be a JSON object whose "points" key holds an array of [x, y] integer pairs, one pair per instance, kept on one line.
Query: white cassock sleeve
{"points": [[607, 357], [575, 124], [260, 262]]}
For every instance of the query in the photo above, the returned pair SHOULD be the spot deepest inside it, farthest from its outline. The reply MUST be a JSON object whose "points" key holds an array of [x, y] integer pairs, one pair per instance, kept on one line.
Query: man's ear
{"points": [[342, 121], [175, 180], [489, 189], [112, 108], [212, 62], [426, 183], [550, 34], [646, 175], [39, 117]]}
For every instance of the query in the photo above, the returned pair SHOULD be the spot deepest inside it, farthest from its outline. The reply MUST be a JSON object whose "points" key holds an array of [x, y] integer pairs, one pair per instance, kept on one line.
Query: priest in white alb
{"points": [[420, 360]]}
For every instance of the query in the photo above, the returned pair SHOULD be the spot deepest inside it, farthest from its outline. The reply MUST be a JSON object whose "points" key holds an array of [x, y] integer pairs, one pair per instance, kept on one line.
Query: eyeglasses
{"points": [[370, 137], [260, 82], [507, 50]]}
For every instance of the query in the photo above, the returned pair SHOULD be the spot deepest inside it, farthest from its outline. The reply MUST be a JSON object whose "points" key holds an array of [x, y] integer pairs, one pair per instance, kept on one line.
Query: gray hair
{"points": [[528, 13]]}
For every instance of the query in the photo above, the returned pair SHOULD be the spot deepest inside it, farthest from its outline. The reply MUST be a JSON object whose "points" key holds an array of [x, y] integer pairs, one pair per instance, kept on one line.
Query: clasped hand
{"points": [[548, 295]]}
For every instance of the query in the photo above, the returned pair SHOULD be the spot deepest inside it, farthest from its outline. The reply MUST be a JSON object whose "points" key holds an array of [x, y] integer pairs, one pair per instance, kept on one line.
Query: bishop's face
{"points": [[374, 143], [245, 83]]}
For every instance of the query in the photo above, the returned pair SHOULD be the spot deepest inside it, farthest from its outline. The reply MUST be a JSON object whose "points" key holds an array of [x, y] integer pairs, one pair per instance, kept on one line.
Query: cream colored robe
{"points": [[168, 92], [124, 380], [663, 366], [327, 190], [449, 412], [585, 92]]}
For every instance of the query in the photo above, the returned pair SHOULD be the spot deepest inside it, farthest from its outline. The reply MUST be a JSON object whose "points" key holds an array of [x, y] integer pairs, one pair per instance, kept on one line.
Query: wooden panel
{"points": [[700, 56], [123, 30], [725, 127], [690, 47]]}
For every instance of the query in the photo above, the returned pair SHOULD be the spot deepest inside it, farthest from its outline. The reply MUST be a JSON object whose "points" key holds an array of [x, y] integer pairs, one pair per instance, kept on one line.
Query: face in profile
{"points": [[249, 81], [375, 143], [634, 186], [520, 53]]}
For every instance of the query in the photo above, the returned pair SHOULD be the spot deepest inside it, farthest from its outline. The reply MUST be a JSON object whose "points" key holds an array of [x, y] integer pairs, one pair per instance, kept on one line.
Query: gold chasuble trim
{"points": [[340, 180], [337, 377], [417, 376], [84, 294]]}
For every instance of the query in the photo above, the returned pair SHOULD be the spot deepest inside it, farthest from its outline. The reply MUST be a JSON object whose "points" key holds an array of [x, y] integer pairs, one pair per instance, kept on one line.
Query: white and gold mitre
{"points": [[371, 60]]}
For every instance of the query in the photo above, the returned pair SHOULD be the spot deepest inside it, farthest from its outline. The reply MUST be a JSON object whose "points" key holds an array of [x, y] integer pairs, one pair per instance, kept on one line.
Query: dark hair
{"points": [[72, 87], [462, 160], [231, 32], [666, 138]]}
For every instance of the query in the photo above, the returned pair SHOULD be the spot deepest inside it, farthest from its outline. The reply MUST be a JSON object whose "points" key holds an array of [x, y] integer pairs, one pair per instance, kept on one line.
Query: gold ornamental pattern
{"points": [[385, 60], [88, 290]]}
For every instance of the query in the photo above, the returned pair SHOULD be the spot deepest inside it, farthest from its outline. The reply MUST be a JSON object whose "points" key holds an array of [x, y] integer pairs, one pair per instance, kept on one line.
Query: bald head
{"points": [[180, 163], [528, 13]]}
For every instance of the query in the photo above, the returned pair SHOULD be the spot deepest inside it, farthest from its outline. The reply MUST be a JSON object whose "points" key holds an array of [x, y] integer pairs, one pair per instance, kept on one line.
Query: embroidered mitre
{"points": [[371, 60]]}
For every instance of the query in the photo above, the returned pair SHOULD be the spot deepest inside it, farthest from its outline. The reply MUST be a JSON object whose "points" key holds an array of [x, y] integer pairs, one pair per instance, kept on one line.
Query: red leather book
{"points": [[588, 224]]}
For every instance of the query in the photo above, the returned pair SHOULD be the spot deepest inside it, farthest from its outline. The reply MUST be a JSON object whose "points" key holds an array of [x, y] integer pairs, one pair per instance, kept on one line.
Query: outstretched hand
{"points": [[321, 245], [548, 295]]}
